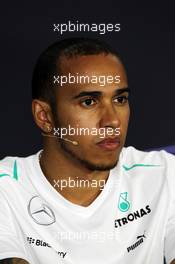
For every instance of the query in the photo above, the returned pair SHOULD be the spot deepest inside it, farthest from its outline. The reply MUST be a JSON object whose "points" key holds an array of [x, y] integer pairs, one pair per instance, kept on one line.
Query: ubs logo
{"points": [[40, 212]]}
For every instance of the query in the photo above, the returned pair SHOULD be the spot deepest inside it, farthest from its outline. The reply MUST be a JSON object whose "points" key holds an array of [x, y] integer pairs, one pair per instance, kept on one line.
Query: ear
{"points": [[42, 115]]}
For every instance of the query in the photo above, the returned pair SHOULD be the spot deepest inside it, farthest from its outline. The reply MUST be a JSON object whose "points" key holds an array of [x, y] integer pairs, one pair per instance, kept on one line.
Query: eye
{"points": [[88, 102], [121, 100]]}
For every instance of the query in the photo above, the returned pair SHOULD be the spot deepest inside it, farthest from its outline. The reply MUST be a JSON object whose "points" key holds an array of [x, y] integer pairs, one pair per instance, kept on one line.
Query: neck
{"points": [[70, 178]]}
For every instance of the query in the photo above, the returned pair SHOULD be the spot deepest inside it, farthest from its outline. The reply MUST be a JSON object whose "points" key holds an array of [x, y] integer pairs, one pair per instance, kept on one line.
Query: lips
{"points": [[109, 143]]}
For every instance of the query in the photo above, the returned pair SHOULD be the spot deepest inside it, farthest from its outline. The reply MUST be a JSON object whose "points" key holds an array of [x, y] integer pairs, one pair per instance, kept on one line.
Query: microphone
{"points": [[75, 143]]}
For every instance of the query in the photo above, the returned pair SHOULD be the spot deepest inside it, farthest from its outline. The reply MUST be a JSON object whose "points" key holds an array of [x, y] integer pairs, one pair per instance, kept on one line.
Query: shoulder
{"points": [[160, 157], [13, 169], [159, 164]]}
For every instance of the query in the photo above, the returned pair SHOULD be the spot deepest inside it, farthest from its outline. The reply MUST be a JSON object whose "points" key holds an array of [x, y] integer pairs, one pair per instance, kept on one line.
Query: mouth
{"points": [[109, 143]]}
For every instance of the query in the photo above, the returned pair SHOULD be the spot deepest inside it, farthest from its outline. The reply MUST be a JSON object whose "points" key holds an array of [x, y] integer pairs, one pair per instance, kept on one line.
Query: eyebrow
{"points": [[98, 94]]}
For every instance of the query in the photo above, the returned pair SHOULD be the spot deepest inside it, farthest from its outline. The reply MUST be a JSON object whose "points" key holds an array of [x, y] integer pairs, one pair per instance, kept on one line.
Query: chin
{"points": [[102, 166], [107, 167]]}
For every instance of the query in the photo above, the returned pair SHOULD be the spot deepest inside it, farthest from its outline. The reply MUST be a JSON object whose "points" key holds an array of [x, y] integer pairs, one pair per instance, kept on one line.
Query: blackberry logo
{"points": [[37, 242], [31, 240], [41, 243]]}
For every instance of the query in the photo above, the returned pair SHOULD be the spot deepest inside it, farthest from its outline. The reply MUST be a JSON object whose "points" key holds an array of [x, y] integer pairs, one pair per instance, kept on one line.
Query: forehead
{"points": [[91, 65], [101, 64]]}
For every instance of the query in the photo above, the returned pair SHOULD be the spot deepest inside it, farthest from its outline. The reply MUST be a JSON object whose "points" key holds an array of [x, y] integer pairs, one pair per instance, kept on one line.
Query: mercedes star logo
{"points": [[40, 212]]}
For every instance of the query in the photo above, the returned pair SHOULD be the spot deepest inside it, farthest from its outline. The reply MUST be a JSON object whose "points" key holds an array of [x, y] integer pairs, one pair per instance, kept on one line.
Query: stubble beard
{"points": [[84, 162]]}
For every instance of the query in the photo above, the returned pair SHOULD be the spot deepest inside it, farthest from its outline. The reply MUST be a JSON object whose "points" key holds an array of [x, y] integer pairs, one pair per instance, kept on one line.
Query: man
{"points": [[53, 207]]}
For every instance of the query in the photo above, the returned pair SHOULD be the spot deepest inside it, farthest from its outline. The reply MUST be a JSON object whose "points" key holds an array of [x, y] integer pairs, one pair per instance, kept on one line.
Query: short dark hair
{"points": [[47, 64]]}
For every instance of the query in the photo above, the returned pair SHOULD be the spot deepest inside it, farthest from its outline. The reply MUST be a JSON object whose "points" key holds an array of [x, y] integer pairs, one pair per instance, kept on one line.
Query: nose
{"points": [[110, 117]]}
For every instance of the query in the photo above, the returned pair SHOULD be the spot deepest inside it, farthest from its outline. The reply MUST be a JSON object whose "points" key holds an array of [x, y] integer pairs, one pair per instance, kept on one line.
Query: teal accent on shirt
{"points": [[4, 174], [15, 172], [123, 203], [138, 165]]}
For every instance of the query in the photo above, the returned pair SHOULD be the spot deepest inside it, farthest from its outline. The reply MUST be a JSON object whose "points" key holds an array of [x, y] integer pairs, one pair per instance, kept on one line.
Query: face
{"points": [[96, 108]]}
